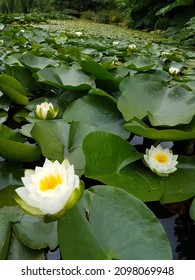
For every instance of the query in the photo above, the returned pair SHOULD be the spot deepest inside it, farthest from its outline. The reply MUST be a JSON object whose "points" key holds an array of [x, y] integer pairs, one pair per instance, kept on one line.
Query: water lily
{"points": [[161, 161], [49, 190], [165, 54], [173, 70], [79, 33], [45, 111], [115, 43], [132, 47]]}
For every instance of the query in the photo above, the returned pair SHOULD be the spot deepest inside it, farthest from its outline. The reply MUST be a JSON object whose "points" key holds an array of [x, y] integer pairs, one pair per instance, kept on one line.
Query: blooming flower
{"points": [[79, 33], [161, 161], [45, 111], [132, 47], [173, 70], [49, 190]]}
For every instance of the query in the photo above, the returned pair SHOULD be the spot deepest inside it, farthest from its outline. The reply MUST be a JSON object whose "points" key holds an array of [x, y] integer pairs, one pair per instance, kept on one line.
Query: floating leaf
{"points": [[135, 234], [113, 161], [12, 149], [11, 87], [98, 111], [69, 79], [179, 186], [182, 132], [148, 95]]}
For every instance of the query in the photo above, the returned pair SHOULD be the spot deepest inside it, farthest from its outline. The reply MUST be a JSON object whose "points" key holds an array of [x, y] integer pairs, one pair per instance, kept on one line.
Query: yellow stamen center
{"points": [[161, 158], [50, 183]]}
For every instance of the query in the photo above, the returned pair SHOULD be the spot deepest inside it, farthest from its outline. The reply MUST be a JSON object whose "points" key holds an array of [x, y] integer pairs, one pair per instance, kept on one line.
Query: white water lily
{"points": [[161, 161], [164, 54], [45, 111], [79, 33], [132, 47], [49, 190], [173, 70], [115, 43]]}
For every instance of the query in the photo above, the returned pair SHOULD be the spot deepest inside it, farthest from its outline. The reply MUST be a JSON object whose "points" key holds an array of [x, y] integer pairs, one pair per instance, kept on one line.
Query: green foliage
{"points": [[188, 32]]}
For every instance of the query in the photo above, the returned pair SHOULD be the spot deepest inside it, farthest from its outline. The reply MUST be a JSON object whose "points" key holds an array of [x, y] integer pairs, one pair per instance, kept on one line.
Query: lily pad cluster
{"points": [[103, 97]]}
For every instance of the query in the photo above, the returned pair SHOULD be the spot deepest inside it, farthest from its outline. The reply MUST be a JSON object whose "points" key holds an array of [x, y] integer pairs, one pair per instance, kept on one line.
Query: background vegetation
{"points": [[175, 17]]}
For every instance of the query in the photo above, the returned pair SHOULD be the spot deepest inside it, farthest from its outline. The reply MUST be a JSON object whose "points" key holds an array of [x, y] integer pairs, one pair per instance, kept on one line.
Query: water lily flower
{"points": [[79, 33], [173, 70], [132, 47], [45, 111], [49, 190], [115, 43], [164, 54], [161, 161]]}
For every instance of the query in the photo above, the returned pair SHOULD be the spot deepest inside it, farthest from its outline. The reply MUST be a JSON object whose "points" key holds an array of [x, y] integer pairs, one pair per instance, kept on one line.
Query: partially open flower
{"points": [[173, 70], [45, 111], [161, 161], [132, 47], [49, 190]]}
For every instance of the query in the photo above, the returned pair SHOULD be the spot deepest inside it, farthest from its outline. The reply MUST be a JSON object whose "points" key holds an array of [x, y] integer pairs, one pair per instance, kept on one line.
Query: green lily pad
{"points": [[36, 63], [148, 95], [179, 186], [11, 87], [109, 223], [113, 161], [12, 149], [69, 79], [182, 132], [98, 111], [18, 251], [59, 140]]}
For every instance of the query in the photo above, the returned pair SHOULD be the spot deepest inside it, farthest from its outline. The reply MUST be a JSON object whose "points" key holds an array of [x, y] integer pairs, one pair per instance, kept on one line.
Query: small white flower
{"points": [[115, 43], [79, 33], [164, 54], [173, 70], [161, 161], [45, 111], [132, 47], [51, 189], [22, 30]]}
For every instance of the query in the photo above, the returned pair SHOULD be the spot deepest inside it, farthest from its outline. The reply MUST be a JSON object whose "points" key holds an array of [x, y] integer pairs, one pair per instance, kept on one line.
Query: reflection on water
{"points": [[185, 234], [180, 230]]}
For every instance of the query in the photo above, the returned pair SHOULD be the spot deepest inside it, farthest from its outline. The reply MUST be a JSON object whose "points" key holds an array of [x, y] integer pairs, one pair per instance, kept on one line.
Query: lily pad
{"points": [[135, 233], [98, 111], [69, 79], [113, 161], [182, 132], [11, 87], [179, 186], [148, 95]]}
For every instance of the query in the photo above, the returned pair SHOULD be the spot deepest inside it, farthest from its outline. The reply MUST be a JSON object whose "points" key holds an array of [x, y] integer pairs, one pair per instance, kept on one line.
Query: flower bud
{"points": [[132, 47], [45, 111]]}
